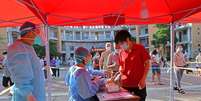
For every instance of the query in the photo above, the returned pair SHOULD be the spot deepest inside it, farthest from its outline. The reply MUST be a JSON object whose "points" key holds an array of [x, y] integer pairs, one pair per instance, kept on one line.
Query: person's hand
{"points": [[142, 84], [109, 81], [96, 78], [108, 73]]}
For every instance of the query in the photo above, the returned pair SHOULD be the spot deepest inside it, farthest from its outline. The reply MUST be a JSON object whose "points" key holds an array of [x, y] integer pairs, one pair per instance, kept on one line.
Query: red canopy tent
{"points": [[95, 12], [195, 18]]}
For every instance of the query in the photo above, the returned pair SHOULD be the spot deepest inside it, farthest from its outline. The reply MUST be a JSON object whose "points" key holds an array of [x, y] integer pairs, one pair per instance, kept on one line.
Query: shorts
{"points": [[156, 70]]}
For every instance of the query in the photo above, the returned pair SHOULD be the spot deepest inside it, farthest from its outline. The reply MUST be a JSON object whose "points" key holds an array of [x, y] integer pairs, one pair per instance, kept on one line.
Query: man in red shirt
{"points": [[134, 64]]}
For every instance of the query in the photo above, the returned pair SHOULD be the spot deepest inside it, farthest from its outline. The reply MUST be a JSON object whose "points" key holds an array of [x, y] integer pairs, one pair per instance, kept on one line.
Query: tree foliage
{"points": [[161, 36], [40, 50]]}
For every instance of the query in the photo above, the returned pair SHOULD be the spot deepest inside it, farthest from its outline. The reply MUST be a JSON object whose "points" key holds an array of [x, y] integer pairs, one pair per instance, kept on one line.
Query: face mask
{"points": [[89, 63], [124, 46], [108, 48], [181, 49], [37, 40]]}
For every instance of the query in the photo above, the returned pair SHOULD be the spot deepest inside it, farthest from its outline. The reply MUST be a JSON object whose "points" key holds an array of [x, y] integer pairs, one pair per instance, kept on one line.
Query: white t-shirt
{"points": [[198, 58]]}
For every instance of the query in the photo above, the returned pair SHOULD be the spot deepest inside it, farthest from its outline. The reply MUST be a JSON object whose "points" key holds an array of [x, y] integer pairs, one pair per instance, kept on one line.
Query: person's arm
{"points": [[96, 72], [86, 87], [20, 67], [146, 61], [142, 83], [196, 58], [101, 61], [175, 61]]}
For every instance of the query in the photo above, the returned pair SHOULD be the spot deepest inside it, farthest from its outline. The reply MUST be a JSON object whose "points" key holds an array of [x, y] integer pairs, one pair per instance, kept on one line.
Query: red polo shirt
{"points": [[133, 64]]}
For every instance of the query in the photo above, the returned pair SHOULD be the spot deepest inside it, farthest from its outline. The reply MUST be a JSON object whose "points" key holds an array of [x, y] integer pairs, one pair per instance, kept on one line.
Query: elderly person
{"points": [[104, 56], [114, 59], [79, 79], [25, 67]]}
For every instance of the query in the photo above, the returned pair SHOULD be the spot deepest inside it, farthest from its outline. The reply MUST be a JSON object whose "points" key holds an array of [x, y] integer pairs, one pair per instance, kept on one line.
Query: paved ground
{"points": [[190, 82]]}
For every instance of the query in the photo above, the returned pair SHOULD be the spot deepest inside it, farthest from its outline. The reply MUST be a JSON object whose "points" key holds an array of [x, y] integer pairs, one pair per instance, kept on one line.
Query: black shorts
{"points": [[142, 93]]}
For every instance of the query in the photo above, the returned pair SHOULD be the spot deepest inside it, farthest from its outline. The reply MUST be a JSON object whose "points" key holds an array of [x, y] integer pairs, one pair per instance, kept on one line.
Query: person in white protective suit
{"points": [[25, 67]]}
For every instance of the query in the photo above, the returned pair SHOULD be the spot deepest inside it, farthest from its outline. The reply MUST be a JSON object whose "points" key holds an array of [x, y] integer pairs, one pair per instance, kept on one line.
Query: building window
{"points": [[72, 48], [69, 35], [198, 33], [108, 34], [53, 33], [14, 36], [146, 30], [198, 45], [144, 41], [92, 36], [85, 35], [63, 46], [77, 36], [96, 36]]}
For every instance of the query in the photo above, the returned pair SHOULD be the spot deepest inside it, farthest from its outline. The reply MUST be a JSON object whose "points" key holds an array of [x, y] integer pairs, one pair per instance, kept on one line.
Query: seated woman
{"points": [[78, 79]]}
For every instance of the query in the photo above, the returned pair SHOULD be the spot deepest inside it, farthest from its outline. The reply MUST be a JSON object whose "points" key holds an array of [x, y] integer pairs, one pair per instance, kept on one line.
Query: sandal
{"points": [[181, 91], [176, 88]]}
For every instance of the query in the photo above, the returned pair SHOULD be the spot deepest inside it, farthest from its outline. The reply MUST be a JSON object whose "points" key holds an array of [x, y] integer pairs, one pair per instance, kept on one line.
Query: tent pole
{"points": [[172, 37], [49, 79]]}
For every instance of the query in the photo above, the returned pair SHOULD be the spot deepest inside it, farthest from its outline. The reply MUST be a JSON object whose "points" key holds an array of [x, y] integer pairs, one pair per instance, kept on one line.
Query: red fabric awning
{"points": [[95, 12], [13, 13], [195, 18]]}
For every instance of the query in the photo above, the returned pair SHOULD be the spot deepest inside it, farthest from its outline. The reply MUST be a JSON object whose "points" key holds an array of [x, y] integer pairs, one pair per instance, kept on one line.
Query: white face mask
{"points": [[108, 48], [179, 49]]}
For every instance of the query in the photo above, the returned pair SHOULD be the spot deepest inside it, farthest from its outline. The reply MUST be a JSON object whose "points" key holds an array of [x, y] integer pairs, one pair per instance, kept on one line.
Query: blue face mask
{"points": [[89, 63], [37, 41]]}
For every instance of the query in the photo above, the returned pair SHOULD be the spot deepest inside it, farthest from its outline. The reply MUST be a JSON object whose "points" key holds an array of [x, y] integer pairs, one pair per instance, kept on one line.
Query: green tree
{"points": [[161, 36], [40, 50], [53, 48]]}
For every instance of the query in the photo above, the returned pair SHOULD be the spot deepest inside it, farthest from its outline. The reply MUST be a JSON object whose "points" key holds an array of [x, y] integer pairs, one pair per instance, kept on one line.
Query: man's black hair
{"points": [[121, 36]]}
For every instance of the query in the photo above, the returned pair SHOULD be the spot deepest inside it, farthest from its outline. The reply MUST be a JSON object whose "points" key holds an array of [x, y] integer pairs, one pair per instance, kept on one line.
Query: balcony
{"points": [[87, 37], [13, 29], [53, 36], [183, 26]]}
